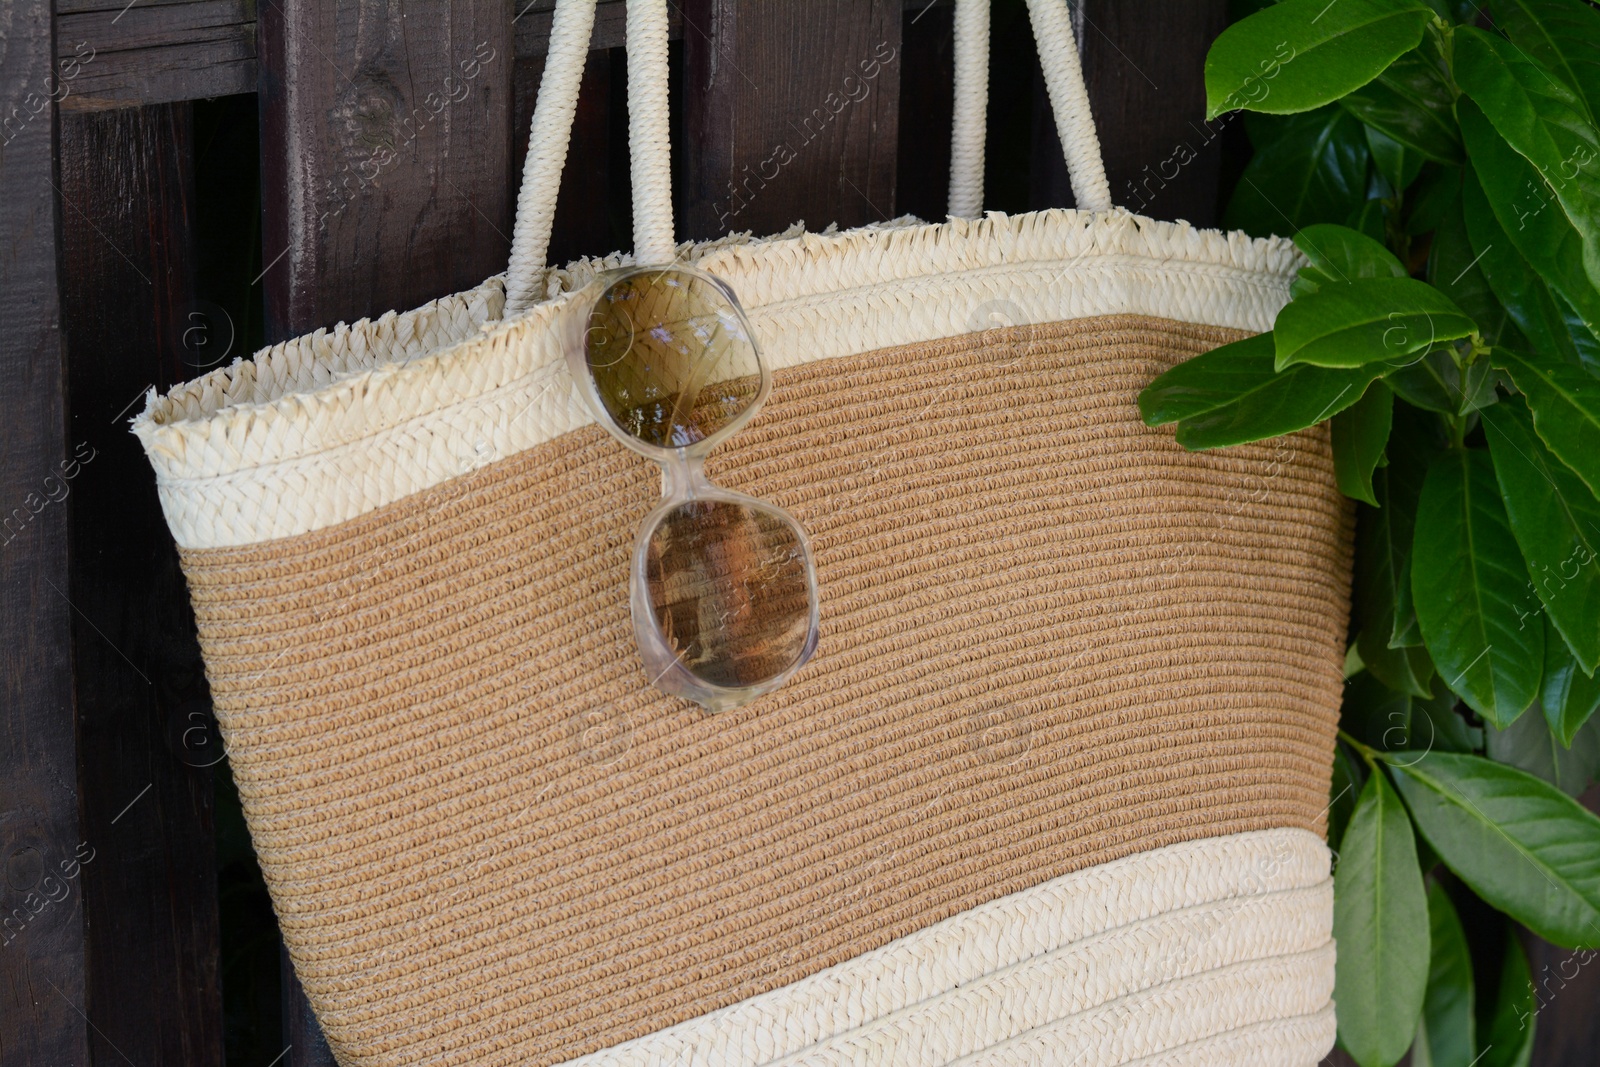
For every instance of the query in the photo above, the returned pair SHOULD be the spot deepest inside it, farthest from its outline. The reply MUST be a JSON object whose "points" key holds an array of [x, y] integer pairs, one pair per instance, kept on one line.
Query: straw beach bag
{"points": [[1051, 789]]}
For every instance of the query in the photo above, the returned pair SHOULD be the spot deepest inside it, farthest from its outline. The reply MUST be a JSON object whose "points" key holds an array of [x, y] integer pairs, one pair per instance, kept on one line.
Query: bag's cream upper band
{"points": [[321, 429]]}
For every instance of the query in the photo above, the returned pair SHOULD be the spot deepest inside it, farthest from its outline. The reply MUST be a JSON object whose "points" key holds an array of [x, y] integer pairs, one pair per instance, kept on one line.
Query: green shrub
{"points": [[1439, 166]]}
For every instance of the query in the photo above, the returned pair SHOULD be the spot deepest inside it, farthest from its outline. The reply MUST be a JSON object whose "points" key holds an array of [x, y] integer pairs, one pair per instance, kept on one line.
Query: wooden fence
{"points": [[386, 137]]}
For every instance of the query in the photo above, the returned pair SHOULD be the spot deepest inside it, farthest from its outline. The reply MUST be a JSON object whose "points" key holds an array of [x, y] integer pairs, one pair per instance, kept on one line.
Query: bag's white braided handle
{"points": [[547, 150], [649, 147], [649, 137], [1069, 100]]}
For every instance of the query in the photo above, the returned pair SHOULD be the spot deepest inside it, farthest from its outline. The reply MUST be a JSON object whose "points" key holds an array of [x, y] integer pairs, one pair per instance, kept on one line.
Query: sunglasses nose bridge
{"points": [[683, 475]]}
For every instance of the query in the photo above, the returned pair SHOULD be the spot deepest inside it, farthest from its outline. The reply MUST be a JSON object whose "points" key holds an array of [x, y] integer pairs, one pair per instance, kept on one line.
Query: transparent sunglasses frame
{"points": [[683, 480]]}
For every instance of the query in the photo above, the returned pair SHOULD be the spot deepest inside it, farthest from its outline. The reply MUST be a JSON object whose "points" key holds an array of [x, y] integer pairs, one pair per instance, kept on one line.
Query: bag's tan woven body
{"points": [[1051, 791]]}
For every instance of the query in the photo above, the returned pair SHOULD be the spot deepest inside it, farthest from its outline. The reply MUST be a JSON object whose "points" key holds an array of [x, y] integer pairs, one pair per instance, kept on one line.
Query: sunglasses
{"points": [[723, 589]]}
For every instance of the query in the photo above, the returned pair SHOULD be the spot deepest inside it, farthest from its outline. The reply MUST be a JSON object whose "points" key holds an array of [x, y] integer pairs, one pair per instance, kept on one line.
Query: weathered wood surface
{"points": [[922, 150], [790, 112], [304, 1045], [138, 54], [145, 737], [385, 151], [42, 977], [1147, 91], [192, 49]]}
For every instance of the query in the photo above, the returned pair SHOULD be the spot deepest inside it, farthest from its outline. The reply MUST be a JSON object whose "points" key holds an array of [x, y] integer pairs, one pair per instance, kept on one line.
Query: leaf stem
{"points": [[1367, 752]]}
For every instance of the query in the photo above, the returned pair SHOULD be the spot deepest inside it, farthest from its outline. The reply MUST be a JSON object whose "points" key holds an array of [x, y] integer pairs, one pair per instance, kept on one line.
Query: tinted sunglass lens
{"points": [[670, 357], [729, 588]]}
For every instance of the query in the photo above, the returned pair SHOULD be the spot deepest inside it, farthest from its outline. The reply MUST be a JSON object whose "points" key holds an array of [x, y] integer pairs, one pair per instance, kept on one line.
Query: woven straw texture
{"points": [[1050, 638], [332, 425]]}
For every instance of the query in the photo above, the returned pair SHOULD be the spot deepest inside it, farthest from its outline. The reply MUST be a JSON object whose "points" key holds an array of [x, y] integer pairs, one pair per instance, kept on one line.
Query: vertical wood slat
{"points": [[42, 977], [927, 108], [790, 113], [146, 741], [386, 183], [302, 1037], [384, 154], [1147, 91]]}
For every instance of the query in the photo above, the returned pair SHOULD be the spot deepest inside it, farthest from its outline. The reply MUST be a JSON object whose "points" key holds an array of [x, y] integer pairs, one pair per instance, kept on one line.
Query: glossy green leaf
{"points": [[1564, 35], [1349, 776], [1431, 198], [1544, 120], [1383, 567], [1306, 169], [1521, 844], [1360, 433], [1466, 578], [1380, 921], [1407, 669], [1509, 1042], [1569, 697], [1301, 54], [1434, 382], [1371, 219], [1375, 714], [1448, 1037], [1370, 320], [1556, 522], [1436, 726], [1566, 409], [1232, 394], [1457, 11], [1410, 103], [1547, 324], [1528, 745], [1398, 164], [1382, 602], [1455, 269], [1340, 254], [1529, 214], [1584, 342]]}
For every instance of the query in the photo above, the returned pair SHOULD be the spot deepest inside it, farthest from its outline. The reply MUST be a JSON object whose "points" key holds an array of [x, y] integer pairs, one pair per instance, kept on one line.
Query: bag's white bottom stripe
{"points": [[1299, 1042], [1216, 951]]}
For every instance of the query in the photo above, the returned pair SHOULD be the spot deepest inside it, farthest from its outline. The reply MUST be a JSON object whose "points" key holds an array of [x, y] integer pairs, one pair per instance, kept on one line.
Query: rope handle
{"points": [[650, 148], [649, 143], [1069, 100]]}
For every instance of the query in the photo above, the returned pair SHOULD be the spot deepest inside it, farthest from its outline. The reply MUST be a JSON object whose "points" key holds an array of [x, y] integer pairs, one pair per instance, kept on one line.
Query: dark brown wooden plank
{"points": [[154, 54], [927, 83], [145, 737], [385, 137], [1147, 91], [42, 981], [192, 49], [124, 28], [791, 108], [302, 1037]]}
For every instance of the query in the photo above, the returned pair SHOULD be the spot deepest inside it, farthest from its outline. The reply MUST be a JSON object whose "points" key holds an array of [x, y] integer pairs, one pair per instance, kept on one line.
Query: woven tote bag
{"points": [[1052, 788]]}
